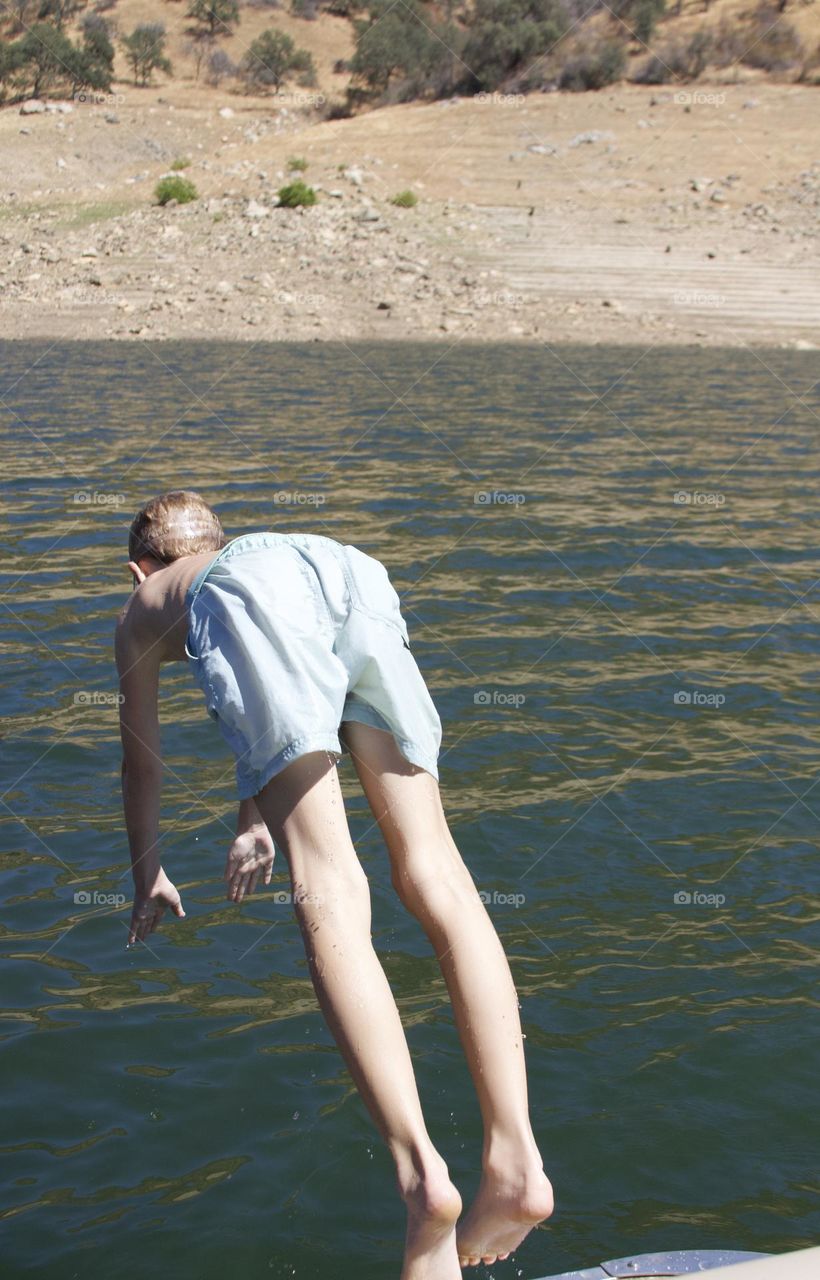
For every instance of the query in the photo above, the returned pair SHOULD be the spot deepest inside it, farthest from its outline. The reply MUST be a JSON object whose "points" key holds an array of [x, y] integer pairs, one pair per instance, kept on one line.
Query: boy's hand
{"points": [[150, 906], [250, 855]]}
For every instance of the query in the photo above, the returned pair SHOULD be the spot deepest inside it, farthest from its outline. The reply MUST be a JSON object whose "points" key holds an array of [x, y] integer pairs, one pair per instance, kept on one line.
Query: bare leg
{"points": [[304, 811], [434, 884]]}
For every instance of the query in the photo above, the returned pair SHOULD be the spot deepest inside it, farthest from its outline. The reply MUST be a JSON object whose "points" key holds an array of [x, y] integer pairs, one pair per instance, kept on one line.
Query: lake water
{"points": [[629, 691]]}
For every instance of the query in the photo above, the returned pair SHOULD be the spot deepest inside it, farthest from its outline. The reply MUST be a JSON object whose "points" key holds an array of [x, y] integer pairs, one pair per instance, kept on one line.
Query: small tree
{"points": [[215, 15], [145, 50], [395, 40], [506, 35], [272, 59], [45, 61], [44, 56]]}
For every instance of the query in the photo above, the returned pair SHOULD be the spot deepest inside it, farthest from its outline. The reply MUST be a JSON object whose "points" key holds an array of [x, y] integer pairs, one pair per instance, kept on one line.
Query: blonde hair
{"points": [[179, 523]]}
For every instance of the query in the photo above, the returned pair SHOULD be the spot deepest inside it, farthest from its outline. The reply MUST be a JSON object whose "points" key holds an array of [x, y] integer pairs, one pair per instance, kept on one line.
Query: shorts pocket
{"points": [[371, 590]]}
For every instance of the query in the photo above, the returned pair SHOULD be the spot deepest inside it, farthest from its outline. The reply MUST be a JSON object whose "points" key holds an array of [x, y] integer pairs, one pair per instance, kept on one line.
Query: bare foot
{"points": [[502, 1214], [433, 1206]]}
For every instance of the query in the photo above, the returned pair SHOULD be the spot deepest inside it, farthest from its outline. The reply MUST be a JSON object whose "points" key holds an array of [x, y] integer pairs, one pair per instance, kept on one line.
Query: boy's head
{"points": [[175, 524]]}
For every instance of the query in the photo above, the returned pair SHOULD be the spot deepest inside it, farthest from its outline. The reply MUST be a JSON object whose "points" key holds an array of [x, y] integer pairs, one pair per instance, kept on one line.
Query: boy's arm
{"points": [[248, 816], [138, 667]]}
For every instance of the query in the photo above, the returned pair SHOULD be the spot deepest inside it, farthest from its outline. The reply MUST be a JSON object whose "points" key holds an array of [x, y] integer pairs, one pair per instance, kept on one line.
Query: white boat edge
{"points": [[801, 1264]]}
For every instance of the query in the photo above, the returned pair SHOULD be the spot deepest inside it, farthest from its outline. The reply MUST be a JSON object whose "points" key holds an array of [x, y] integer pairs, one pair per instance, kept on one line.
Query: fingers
{"points": [[141, 925], [241, 883], [245, 881], [147, 919]]}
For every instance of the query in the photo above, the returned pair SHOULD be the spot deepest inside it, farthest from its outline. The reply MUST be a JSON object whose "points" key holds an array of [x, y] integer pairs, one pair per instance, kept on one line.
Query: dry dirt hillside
{"points": [[327, 39], [634, 214]]}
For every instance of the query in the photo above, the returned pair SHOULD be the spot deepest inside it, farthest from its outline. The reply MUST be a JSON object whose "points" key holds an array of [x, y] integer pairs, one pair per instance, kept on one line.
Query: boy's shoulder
{"points": [[150, 611], [136, 625], [145, 601], [155, 615]]}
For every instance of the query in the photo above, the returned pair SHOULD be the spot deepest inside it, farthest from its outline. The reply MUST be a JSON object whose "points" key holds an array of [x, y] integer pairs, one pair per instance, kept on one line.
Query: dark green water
{"points": [[183, 1111]]}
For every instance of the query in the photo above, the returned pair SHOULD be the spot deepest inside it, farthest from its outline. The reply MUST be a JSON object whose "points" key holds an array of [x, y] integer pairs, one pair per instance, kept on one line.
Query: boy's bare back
{"points": [[154, 618]]}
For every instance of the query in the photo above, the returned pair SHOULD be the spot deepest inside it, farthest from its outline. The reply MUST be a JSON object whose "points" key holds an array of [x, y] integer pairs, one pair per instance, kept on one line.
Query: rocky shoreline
{"points": [[229, 267], [571, 233]]}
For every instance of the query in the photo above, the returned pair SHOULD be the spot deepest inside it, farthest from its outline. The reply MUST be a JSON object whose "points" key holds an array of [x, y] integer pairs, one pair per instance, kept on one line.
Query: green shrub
{"points": [[405, 199], [180, 189], [271, 59], [593, 66], [297, 164], [182, 162], [295, 194]]}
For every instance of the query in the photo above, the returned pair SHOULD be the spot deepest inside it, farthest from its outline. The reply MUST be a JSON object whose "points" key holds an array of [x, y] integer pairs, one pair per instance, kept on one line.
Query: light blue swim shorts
{"points": [[292, 634]]}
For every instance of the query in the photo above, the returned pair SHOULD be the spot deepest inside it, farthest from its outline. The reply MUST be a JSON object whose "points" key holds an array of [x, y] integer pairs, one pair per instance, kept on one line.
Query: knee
{"points": [[329, 890], [433, 884]]}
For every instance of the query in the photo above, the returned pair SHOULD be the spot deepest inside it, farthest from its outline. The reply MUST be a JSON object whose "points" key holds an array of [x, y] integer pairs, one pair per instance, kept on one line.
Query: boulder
{"points": [[591, 135]]}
